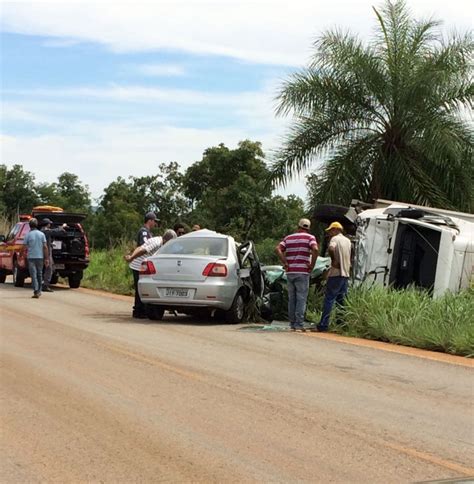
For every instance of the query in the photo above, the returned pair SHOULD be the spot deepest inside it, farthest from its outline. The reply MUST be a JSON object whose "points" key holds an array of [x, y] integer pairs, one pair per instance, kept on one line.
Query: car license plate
{"points": [[57, 244], [175, 292], [59, 266]]}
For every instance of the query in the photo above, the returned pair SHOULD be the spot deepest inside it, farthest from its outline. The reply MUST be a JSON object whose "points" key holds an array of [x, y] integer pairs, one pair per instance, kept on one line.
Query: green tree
{"points": [[68, 192], [18, 192], [124, 203], [230, 193], [229, 188], [163, 194], [117, 218], [387, 119]]}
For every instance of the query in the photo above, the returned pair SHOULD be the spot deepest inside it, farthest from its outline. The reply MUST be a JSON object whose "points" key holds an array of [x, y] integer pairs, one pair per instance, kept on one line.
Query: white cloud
{"points": [[265, 31], [137, 93], [19, 112], [60, 42], [160, 70], [253, 108], [99, 153]]}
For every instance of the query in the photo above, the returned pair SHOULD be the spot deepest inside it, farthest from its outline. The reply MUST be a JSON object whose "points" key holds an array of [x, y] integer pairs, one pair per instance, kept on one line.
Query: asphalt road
{"points": [[88, 394]]}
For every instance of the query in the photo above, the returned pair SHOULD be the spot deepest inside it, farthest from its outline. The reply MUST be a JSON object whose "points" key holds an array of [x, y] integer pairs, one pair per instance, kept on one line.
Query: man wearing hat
{"points": [[338, 278], [298, 253], [144, 234], [49, 234]]}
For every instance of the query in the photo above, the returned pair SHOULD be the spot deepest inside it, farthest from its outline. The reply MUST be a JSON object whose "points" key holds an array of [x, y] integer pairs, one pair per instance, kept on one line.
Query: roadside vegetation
{"points": [[109, 272], [410, 317]]}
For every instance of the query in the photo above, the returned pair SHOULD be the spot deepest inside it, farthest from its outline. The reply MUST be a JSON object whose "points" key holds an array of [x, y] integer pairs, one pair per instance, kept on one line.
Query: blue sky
{"points": [[107, 89]]}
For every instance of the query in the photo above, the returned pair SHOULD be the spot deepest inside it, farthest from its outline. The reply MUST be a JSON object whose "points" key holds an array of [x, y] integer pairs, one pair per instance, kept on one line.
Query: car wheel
{"points": [[18, 275], [3, 275], [236, 313], [75, 280], [155, 313]]}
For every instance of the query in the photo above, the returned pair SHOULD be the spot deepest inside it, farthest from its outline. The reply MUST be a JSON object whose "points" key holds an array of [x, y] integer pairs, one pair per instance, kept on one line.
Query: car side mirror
{"points": [[3, 238]]}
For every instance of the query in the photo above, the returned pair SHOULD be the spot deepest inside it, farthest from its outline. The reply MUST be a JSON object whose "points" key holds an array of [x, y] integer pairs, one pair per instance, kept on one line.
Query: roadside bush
{"points": [[411, 317], [266, 251], [108, 271]]}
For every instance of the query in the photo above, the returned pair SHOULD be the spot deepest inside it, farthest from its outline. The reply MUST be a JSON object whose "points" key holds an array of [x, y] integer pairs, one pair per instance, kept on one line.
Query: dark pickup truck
{"points": [[70, 250]]}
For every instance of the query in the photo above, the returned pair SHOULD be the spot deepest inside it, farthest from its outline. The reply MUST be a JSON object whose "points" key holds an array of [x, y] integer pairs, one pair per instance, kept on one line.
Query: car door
{"points": [[251, 269], [7, 247]]}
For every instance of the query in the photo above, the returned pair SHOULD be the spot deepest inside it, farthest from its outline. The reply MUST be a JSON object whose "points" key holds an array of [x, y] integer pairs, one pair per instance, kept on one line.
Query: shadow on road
{"points": [[168, 319]]}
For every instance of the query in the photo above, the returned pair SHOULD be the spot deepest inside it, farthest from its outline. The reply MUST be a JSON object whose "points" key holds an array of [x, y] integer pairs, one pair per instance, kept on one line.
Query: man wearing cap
{"points": [[49, 234], [35, 243], [143, 235], [298, 253], [338, 278]]}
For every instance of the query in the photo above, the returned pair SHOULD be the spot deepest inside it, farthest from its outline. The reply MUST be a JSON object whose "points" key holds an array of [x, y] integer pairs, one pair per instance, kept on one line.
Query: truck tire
{"points": [[3, 276], [75, 280], [18, 275], [236, 313]]}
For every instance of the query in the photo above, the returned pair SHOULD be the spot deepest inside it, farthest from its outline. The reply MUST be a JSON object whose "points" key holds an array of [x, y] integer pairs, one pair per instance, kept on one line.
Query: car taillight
{"points": [[147, 267], [214, 269]]}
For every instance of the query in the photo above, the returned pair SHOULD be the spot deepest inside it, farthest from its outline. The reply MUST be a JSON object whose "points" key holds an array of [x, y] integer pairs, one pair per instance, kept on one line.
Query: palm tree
{"points": [[390, 119]]}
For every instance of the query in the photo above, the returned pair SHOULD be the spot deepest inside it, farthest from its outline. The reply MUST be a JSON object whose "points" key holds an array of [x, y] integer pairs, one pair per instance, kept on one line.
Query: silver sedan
{"points": [[201, 270]]}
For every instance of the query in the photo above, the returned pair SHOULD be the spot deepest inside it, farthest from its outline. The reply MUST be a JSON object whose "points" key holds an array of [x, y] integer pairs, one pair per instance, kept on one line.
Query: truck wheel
{"points": [[154, 312], [3, 275], [54, 278], [75, 280], [236, 313], [18, 275]]}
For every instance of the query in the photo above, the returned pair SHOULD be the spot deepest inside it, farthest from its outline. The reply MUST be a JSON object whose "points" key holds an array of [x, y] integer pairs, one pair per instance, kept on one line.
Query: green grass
{"points": [[411, 318], [109, 271]]}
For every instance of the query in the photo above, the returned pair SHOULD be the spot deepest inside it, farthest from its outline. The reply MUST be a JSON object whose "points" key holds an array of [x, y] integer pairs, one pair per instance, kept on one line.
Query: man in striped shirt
{"points": [[298, 253]]}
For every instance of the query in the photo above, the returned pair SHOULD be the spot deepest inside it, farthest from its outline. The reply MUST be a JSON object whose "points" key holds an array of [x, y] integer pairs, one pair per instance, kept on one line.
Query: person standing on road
{"points": [[338, 278], [49, 234], [136, 258], [35, 243], [298, 253], [143, 235]]}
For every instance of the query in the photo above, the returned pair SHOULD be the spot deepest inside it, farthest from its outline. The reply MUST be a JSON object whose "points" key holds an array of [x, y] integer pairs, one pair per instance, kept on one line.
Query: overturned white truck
{"points": [[398, 245]]}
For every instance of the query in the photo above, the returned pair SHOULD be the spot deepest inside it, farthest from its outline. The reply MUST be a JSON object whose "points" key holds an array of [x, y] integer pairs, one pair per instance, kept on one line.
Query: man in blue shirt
{"points": [[35, 242]]}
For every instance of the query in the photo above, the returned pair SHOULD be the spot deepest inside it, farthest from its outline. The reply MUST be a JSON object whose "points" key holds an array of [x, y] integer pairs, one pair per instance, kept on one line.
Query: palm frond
{"points": [[410, 92]]}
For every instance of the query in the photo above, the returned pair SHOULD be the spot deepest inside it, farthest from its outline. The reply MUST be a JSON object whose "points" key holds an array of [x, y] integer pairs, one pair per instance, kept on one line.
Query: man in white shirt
{"points": [[338, 277], [136, 258]]}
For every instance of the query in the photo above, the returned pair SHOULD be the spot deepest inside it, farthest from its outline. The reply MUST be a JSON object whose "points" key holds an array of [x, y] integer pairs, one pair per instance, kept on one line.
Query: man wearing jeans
{"points": [[35, 242], [298, 253], [338, 277]]}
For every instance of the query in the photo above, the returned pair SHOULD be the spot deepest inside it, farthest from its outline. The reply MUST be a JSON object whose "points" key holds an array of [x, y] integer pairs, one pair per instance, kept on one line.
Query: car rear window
{"points": [[196, 246]]}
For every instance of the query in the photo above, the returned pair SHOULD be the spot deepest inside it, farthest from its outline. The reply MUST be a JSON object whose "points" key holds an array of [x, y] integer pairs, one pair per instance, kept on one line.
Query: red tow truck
{"points": [[70, 251]]}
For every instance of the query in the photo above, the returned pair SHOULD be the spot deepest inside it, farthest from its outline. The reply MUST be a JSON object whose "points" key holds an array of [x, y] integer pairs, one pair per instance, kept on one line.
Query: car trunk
{"points": [[182, 268]]}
